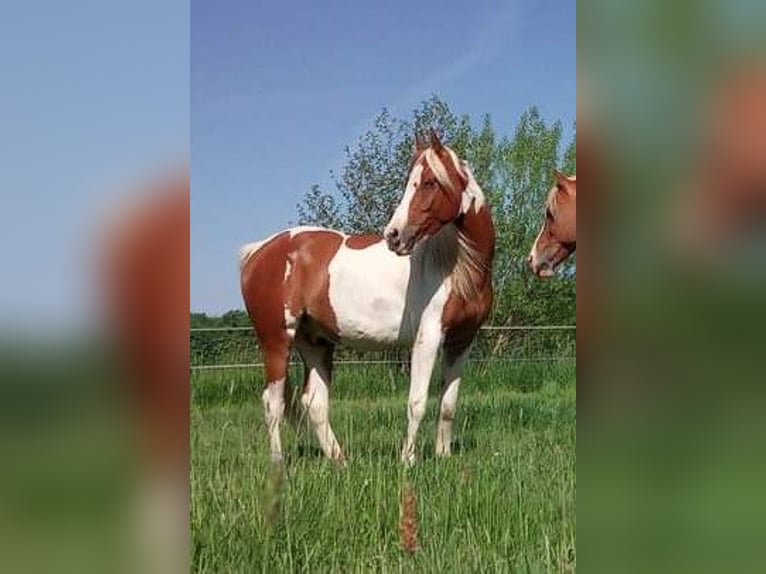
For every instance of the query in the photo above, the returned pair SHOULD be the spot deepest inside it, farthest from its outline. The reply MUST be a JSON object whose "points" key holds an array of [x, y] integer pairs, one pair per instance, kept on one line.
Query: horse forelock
{"points": [[448, 173], [552, 201]]}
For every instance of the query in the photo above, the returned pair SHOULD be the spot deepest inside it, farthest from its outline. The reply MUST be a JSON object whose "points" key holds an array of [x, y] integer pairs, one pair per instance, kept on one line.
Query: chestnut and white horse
{"points": [[426, 284], [557, 239]]}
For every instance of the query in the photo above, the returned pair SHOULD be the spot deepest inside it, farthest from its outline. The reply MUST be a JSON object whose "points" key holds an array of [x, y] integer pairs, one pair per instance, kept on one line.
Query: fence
{"points": [[218, 348]]}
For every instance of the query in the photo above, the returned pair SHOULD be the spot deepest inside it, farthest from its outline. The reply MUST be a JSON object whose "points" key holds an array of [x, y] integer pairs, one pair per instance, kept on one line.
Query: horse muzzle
{"points": [[401, 242]]}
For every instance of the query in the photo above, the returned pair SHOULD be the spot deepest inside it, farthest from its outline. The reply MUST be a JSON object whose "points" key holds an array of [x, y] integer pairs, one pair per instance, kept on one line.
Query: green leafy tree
{"points": [[569, 165], [318, 208], [370, 182]]}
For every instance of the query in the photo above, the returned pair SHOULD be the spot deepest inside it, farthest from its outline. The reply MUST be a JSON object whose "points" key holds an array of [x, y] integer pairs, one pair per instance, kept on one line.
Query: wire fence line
{"points": [[230, 365], [483, 328], [383, 362]]}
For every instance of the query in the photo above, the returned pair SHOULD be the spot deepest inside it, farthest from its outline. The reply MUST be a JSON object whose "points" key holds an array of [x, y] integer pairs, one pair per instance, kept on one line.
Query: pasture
{"points": [[505, 500]]}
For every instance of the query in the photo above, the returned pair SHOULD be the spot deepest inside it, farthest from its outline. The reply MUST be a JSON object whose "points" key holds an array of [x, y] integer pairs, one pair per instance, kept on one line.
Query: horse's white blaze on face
{"points": [[534, 258], [367, 288], [399, 219]]}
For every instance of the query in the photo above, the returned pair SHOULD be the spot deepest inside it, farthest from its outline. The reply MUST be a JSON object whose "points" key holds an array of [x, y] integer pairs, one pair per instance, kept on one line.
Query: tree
{"points": [[319, 208], [370, 182], [570, 156]]}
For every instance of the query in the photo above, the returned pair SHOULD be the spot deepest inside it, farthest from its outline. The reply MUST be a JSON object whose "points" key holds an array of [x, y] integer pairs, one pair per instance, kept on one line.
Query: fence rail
{"points": [[391, 362], [491, 328], [484, 328]]}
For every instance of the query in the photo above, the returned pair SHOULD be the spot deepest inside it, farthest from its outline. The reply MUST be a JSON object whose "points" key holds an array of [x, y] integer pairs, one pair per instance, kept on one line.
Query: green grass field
{"points": [[504, 501]]}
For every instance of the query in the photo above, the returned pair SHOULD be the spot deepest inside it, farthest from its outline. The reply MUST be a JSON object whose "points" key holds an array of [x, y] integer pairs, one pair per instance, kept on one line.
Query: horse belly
{"points": [[367, 293]]}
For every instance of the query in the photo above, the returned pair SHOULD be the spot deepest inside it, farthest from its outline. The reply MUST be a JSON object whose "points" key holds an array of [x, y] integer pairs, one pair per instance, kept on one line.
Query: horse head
{"points": [[557, 238], [435, 195]]}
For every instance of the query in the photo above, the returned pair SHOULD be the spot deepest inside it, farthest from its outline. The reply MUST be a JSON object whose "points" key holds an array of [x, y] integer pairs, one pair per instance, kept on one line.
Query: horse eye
{"points": [[548, 214]]}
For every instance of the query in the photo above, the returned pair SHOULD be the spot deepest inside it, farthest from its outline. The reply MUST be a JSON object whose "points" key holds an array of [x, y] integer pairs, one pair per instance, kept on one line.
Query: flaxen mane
{"points": [[450, 251]]}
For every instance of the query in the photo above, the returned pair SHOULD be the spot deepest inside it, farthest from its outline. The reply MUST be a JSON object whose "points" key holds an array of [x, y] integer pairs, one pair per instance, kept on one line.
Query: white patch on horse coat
{"points": [[534, 252], [427, 343], [274, 407], [472, 193], [305, 228], [448, 404], [316, 401], [380, 298], [367, 288]]}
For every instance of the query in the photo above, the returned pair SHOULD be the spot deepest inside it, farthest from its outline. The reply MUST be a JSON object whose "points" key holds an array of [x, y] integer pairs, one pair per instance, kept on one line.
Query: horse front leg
{"points": [[452, 367], [423, 358]]}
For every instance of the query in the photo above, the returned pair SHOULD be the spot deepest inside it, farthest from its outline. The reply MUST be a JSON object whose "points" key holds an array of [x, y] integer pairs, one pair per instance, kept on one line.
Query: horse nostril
{"points": [[392, 236]]}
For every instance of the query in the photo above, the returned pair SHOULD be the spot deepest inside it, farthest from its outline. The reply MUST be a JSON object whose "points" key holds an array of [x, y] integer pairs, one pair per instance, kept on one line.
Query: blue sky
{"points": [[93, 94], [279, 88]]}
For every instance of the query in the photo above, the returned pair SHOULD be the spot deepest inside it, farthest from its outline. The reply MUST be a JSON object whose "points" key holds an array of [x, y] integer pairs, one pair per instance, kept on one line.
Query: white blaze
{"points": [[399, 219]]}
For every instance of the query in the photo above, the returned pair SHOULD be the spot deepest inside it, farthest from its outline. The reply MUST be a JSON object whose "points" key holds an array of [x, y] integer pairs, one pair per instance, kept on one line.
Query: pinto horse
{"points": [[426, 283], [557, 238]]}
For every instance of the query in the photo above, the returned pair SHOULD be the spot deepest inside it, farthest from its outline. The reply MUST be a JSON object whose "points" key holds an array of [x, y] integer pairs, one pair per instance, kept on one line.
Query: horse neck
{"points": [[463, 251], [476, 239]]}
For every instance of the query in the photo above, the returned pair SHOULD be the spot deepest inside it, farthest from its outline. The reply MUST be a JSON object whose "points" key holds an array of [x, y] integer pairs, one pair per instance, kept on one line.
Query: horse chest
{"points": [[377, 299]]}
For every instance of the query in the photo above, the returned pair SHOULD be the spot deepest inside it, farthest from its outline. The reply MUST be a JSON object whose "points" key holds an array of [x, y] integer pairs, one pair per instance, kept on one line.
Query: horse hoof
{"points": [[341, 463], [408, 460]]}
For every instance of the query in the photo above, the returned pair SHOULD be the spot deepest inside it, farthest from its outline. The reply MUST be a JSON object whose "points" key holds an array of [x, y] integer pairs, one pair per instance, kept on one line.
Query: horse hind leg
{"points": [[276, 354], [317, 362]]}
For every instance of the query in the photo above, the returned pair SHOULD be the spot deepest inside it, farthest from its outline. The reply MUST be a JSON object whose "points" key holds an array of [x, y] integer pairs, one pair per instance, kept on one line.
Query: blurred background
{"points": [[672, 137]]}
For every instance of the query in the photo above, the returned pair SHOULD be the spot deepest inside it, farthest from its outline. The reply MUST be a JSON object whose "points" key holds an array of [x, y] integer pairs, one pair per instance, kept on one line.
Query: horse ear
{"points": [[436, 143], [418, 145], [561, 179]]}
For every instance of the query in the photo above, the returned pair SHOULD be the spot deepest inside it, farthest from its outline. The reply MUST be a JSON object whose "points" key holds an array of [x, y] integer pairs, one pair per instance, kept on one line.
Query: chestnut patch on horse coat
{"points": [[263, 292], [362, 241], [307, 286], [289, 273]]}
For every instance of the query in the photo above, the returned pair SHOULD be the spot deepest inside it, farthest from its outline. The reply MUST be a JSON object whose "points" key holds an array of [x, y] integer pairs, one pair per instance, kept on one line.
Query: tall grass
{"points": [[505, 500]]}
